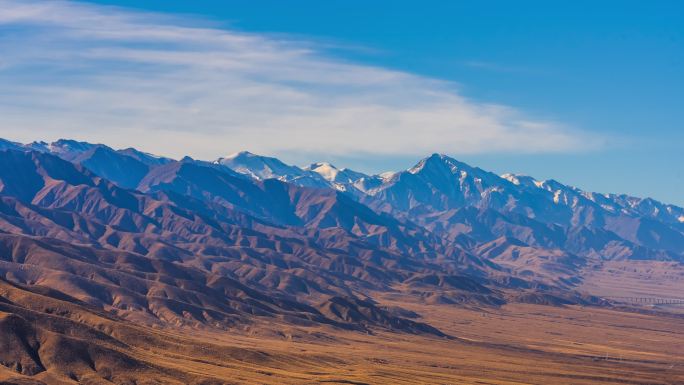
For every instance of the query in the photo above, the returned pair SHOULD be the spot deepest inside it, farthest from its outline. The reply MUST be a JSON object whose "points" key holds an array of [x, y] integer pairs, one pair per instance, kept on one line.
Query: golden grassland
{"points": [[514, 344]]}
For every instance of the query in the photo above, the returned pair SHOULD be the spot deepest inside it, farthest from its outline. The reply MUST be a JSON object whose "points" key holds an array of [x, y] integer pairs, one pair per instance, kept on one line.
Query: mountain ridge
{"points": [[433, 188], [78, 147], [106, 241]]}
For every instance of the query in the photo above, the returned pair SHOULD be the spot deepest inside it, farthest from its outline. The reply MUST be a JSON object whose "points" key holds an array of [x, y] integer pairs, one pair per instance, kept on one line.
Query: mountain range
{"points": [[247, 238]]}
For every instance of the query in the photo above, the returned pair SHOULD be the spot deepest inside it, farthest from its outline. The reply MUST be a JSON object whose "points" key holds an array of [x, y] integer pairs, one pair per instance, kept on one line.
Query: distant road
{"points": [[647, 300]]}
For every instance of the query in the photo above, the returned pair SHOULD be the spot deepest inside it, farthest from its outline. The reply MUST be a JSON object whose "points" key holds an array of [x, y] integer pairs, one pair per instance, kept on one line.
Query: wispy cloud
{"points": [[180, 86]]}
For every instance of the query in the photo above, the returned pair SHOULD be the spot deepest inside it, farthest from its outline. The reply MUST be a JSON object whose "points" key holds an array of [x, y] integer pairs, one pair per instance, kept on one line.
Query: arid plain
{"points": [[512, 344]]}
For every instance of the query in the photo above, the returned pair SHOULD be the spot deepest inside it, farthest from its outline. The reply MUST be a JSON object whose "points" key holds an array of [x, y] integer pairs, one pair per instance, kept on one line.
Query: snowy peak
{"points": [[334, 174], [612, 204], [449, 174], [264, 167], [436, 163], [123, 167], [522, 180], [550, 185], [39, 146], [437, 182], [66, 149], [554, 185], [71, 149], [69, 145], [440, 165], [440, 183], [353, 182], [259, 167], [319, 175], [324, 169]]}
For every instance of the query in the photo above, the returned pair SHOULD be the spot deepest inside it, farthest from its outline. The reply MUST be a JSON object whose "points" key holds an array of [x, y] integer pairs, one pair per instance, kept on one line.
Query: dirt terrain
{"points": [[636, 279], [65, 343]]}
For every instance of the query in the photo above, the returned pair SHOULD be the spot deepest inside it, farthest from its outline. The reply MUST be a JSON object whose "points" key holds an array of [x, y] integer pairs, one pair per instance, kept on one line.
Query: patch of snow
{"points": [[38, 146], [608, 208], [326, 170], [521, 180], [260, 167], [575, 201], [511, 178], [387, 175]]}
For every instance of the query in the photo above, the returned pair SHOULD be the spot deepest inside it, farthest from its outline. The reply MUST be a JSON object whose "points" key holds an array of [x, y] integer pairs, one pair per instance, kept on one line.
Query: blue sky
{"points": [[589, 93]]}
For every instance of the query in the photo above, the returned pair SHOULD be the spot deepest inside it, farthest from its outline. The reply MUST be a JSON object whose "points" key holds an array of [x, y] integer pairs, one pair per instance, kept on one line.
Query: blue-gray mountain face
{"points": [[158, 240]]}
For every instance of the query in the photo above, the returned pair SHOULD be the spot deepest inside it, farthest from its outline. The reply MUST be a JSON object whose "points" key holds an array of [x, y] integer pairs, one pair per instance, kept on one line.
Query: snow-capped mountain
{"points": [[124, 167], [450, 198], [73, 150], [334, 174], [321, 175], [435, 183], [345, 179], [263, 167], [453, 198], [66, 149], [612, 203], [260, 167], [443, 182], [442, 193], [438, 183]]}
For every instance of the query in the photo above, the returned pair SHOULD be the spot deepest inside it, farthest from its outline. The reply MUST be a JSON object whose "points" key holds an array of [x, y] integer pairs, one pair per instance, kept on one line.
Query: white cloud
{"points": [[131, 78]]}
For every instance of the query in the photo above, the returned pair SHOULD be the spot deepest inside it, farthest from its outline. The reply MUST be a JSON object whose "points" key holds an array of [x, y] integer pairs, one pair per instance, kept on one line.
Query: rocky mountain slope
{"points": [[326, 230], [130, 237]]}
